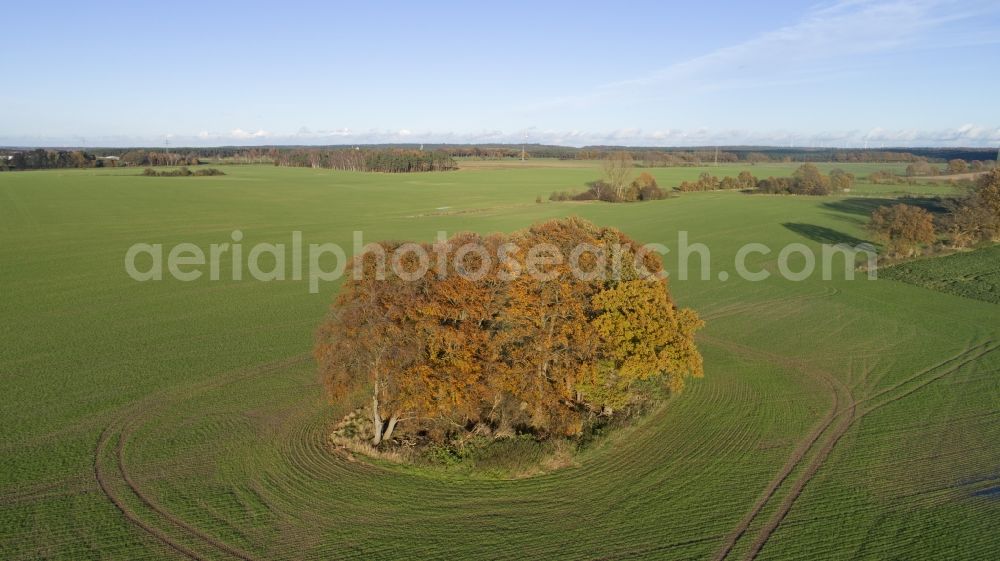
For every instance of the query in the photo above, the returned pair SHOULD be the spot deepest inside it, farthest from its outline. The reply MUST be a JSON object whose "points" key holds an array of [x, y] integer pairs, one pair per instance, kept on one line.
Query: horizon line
{"points": [[432, 145]]}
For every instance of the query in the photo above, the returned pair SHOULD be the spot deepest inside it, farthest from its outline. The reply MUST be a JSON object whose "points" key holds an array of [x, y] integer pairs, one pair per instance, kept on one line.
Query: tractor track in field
{"points": [[961, 359], [75, 485], [155, 507], [125, 510], [744, 308], [114, 479], [126, 423], [801, 450], [849, 415], [958, 361]]}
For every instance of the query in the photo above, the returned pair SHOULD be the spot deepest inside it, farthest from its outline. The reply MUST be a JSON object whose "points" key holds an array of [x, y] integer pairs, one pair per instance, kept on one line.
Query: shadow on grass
{"points": [[865, 205], [822, 234], [853, 219]]}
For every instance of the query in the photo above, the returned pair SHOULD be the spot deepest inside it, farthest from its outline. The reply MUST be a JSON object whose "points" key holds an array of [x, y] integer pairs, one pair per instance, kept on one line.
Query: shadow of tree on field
{"points": [[853, 219], [865, 205], [822, 234]]}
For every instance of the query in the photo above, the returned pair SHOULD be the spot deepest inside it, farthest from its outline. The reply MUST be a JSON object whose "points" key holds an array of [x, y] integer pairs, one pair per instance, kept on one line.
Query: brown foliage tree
{"points": [[808, 180], [957, 166], [519, 342], [745, 181], [902, 227], [919, 168], [976, 216], [645, 188], [841, 180]]}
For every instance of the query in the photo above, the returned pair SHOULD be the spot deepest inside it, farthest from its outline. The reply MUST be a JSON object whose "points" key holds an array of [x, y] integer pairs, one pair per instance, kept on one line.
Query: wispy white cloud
{"points": [[241, 134], [826, 43]]}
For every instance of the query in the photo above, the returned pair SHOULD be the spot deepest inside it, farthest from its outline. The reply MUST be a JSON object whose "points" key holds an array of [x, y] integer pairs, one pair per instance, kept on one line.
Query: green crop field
{"points": [[975, 274], [837, 419]]}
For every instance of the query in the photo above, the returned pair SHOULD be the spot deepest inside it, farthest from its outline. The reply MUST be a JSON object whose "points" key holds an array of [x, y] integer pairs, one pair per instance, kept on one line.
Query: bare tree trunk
{"points": [[617, 167], [389, 427], [376, 422]]}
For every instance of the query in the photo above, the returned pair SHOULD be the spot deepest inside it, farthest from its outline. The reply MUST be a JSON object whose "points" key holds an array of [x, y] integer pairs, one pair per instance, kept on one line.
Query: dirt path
{"points": [[952, 177]]}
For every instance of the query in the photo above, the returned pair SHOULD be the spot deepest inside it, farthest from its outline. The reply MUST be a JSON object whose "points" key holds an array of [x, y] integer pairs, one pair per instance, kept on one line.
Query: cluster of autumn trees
{"points": [[902, 228], [182, 171], [642, 188], [971, 219], [923, 168], [617, 185], [975, 217], [708, 182], [958, 165], [356, 159], [808, 180], [488, 345]]}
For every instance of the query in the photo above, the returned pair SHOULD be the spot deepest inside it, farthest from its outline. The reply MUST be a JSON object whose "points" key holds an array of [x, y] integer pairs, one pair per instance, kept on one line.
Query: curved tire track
{"points": [[126, 511], [960, 360], [135, 416], [801, 450]]}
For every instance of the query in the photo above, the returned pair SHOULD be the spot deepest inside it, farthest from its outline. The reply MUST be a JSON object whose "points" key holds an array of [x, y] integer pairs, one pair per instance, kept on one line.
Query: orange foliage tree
{"points": [[540, 331], [902, 227], [976, 216]]}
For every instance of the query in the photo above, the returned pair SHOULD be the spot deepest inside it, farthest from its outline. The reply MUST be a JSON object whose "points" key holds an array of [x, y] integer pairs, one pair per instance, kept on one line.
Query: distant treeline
{"points": [[413, 157], [158, 158], [356, 159], [41, 158], [696, 156], [49, 159], [657, 156]]}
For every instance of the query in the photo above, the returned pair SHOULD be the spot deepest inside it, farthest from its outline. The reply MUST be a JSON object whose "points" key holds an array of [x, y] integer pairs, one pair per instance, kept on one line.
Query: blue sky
{"points": [[645, 73]]}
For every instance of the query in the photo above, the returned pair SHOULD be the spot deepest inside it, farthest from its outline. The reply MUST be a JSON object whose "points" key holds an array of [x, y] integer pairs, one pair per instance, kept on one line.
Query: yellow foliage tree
{"points": [[576, 334]]}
